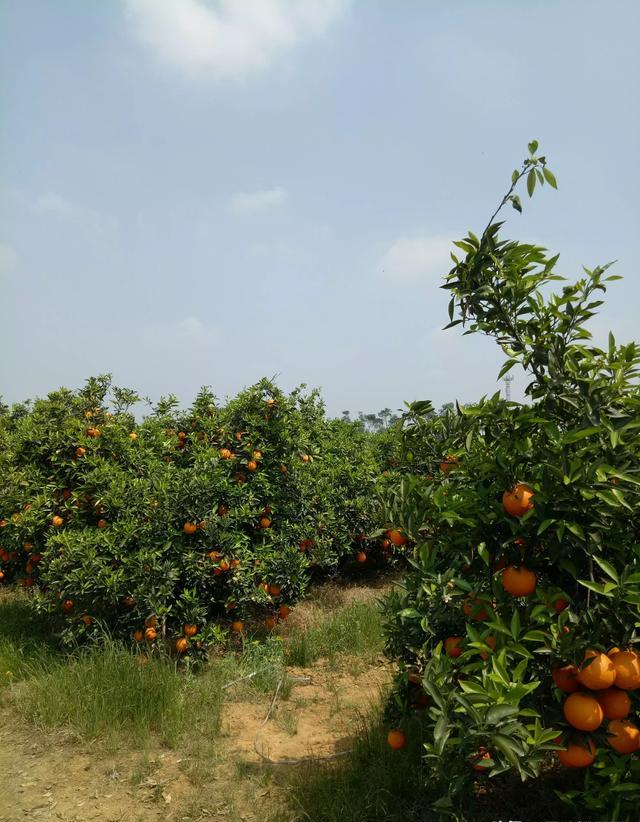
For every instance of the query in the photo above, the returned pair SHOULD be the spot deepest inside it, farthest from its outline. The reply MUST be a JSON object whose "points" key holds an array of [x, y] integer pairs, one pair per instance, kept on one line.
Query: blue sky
{"points": [[196, 192]]}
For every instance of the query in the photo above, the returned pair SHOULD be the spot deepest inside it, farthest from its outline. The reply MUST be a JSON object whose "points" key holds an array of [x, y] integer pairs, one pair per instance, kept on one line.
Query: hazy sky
{"points": [[197, 192]]}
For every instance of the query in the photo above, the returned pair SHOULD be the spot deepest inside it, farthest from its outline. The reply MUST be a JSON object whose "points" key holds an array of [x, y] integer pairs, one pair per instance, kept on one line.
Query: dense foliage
{"points": [[527, 540], [219, 513]]}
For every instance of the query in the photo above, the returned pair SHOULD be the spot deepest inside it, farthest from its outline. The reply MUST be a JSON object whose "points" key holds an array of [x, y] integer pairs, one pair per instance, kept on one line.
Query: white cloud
{"points": [[418, 257], [186, 333], [62, 208], [230, 36], [8, 258], [249, 202]]}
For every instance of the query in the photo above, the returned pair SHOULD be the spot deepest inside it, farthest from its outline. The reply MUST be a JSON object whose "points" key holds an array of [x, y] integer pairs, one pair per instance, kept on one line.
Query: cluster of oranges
{"points": [[598, 690]]}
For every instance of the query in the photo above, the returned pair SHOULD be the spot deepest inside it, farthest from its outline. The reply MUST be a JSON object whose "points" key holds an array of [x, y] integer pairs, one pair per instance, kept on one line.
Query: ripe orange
{"points": [[361, 556], [275, 590], [87, 619], [190, 630], [265, 522], [1, 575], [397, 537], [252, 465], [189, 527], [67, 606], [182, 435], [615, 703], [151, 621], [102, 523], [57, 521], [491, 642], [623, 736], [482, 756], [583, 711], [599, 674], [138, 636], [257, 455], [566, 678], [577, 756], [80, 452], [449, 463], [284, 611], [519, 582], [453, 646], [474, 607], [517, 501], [225, 454], [627, 668], [92, 432], [133, 436], [235, 563], [150, 634], [396, 739], [237, 626], [224, 565], [181, 645]]}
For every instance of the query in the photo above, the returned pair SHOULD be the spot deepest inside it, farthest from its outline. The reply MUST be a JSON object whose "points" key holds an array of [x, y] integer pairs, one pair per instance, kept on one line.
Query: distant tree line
{"points": [[386, 418]]}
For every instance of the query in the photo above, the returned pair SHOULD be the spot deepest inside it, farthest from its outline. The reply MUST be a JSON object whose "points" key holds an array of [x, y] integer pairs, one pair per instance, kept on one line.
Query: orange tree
{"points": [[200, 518], [519, 620]]}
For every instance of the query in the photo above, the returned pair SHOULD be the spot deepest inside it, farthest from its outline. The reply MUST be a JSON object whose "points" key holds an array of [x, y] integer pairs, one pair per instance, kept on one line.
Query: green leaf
{"points": [[515, 202], [607, 567], [533, 146], [497, 713], [550, 177], [531, 182]]}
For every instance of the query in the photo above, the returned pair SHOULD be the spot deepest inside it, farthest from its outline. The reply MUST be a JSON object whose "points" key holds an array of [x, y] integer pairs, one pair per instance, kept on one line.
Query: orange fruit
{"points": [[482, 756], [57, 521], [189, 527], [627, 668], [599, 674], [214, 555], [80, 452], [577, 756], [151, 621], [92, 432], [396, 739], [257, 455], [225, 453], [27, 546], [396, 537], [449, 463], [224, 565], [67, 606], [491, 642], [102, 523], [284, 611], [474, 607], [133, 436], [517, 501], [190, 630], [237, 626], [623, 736], [265, 522], [270, 623], [560, 605], [519, 582], [1, 575], [361, 556], [150, 634], [181, 645], [583, 711], [138, 636], [453, 646], [252, 465], [87, 619], [566, 678], [305, 458], [275, 590], [615, 703]]}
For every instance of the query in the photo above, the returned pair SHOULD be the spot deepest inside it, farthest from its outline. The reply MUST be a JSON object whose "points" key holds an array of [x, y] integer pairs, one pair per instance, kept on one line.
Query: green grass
{"points": [[25, 646], [356, 629], [105, 691]]}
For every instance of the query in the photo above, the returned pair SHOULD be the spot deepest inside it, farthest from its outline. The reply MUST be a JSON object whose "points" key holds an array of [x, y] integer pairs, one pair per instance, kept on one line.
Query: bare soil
{"points": [[45, 775]]}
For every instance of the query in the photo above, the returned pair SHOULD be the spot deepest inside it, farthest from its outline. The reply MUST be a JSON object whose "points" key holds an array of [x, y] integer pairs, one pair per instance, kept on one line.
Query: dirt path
{"points": [[45, 775]]}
